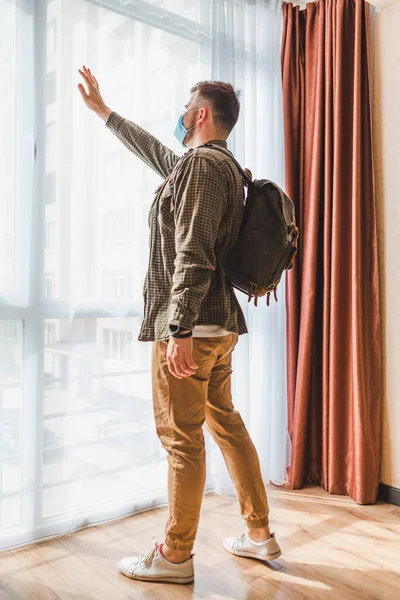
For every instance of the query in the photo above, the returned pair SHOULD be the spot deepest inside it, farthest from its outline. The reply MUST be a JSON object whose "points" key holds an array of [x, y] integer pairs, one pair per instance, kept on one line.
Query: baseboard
{"points": [[389, 494]]}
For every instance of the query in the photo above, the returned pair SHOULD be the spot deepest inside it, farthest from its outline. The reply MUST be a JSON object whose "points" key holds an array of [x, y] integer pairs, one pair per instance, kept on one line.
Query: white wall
{"points": [[386, 74]]}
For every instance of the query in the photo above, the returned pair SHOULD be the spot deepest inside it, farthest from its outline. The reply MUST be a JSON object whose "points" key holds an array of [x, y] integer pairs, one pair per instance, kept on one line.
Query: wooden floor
{"points": [[332, 549]]}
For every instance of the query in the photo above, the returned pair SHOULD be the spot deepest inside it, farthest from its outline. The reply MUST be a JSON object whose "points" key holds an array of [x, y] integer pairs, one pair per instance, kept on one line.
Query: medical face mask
{"points": [[180, 130]]}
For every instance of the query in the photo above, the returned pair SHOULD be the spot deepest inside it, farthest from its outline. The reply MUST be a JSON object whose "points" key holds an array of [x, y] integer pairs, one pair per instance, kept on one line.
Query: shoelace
{"points": [[145, 559], [243, 536]]}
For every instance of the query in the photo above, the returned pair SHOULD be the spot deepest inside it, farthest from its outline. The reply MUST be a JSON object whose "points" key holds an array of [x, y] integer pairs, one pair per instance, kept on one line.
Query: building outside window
{"points": [[51, 37], [51, 87], [49, 290], [51, 138], [117, 345], [118, 226], [50, 236], [122, 286], [49, 334], [12, 330], [50, 197]]}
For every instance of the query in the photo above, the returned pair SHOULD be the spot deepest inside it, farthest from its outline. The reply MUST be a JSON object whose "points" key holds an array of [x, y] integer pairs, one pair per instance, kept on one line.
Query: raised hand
{"points": [[91, 94]]}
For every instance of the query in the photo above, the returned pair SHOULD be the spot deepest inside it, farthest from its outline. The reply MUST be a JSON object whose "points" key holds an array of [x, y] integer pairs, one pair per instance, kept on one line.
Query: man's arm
{"points": [[201, 193], [144, 145], [157, 156]]}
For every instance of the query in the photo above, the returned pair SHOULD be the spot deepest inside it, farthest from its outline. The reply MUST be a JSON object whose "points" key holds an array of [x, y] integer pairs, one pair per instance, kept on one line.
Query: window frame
{"points": [[30, 208]]}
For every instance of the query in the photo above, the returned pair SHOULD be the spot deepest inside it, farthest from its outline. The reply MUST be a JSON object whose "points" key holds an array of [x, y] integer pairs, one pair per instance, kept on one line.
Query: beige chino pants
{"points": [[181, 408]]}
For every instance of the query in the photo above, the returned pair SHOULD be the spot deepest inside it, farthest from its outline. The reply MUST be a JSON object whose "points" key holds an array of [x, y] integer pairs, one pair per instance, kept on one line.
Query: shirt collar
{"points": [[223, 143]]}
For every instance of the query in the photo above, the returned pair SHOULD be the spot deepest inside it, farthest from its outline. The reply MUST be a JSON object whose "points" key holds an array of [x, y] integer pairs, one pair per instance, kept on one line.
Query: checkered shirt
{"points": [[196, 213]]}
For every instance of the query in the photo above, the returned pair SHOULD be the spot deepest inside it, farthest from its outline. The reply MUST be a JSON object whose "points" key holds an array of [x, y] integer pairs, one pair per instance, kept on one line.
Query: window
{"points": [[12, 330], [190, 9], [122, 287], [118, 226], [6, 74], [76, 409], [117, 345], [51, 87], [9, 207], [86, 396], [12, 417], [113, 162], [50, 233], [51, 37], [8, 280], [51, 138], [49, 291], [117, 44], [8, 246], [50, 188], [49, 334]]}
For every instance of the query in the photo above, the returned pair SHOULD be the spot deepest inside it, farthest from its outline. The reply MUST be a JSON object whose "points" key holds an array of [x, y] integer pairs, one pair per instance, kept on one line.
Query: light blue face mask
{"points": [[180, 130]]}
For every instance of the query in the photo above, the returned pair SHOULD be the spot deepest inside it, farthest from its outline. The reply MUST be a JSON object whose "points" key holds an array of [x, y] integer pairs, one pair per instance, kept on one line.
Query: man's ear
{"points": [[205, 112]]}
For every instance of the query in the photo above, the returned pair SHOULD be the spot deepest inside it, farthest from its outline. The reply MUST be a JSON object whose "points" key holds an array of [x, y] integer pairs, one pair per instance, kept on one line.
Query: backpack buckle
{"points": [[293, 231]]}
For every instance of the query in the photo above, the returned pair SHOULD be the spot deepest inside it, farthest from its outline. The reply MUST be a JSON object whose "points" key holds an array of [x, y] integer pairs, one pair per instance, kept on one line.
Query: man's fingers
{"points": [[84, 74], [189, 367], [82, 91], [85, 77], [171, 369], [93, 78], [182, 368], [178, 369], [88, 73]]}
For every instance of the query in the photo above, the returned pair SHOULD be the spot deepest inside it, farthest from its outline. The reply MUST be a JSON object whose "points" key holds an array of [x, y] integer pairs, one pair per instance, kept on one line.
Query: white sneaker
{"points": [[245, 546], [154, 567]]}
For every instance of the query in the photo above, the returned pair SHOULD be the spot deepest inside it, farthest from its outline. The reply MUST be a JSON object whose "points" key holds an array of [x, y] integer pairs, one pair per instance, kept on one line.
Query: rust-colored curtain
{"points": [[333, 321]]}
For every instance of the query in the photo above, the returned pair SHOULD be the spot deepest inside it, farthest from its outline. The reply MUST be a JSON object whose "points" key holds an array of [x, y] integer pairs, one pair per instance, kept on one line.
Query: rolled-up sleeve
{"points": [[201, 194]]}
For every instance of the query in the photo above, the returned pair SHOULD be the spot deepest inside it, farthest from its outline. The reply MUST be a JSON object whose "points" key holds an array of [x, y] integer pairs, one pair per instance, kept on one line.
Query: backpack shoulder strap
{"points": [[245, 177]]}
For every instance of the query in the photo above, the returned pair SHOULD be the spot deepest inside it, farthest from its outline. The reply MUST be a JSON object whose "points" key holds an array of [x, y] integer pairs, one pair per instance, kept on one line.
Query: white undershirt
{"points": [[209, 331]]}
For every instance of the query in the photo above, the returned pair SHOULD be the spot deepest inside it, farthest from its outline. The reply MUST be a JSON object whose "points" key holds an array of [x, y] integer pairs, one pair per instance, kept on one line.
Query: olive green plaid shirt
{"points": [[190, 223]]}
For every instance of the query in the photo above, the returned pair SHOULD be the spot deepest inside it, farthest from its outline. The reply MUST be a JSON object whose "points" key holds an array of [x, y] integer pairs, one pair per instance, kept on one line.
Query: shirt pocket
{"points": [[166, 213], [154, 205], [167, 198]]}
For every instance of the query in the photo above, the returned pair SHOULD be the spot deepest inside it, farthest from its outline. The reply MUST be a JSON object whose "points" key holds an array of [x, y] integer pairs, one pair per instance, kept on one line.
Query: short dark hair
{"points": [[224, 100]]}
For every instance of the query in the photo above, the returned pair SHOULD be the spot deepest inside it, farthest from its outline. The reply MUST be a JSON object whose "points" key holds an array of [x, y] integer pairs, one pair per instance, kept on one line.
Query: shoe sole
{"points": [[161, 579], [252, 555]]}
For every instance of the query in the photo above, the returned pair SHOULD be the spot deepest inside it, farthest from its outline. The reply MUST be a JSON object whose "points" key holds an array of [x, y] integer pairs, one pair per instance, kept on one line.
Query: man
{"points": [[193, 318]]}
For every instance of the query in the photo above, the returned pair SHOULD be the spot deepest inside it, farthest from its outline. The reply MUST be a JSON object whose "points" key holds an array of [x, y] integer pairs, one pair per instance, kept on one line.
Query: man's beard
{"points": [[188, 137], [190, 133]]}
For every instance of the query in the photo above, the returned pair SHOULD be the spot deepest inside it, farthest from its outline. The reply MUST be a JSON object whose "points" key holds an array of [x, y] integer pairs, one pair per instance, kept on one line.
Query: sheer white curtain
{"points": [[77, 438], [245, 50]]}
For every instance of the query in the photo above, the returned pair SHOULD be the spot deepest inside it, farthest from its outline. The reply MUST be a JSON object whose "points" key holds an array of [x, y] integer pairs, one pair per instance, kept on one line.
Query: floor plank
{"points": [[331, 546], [17, 582]]}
